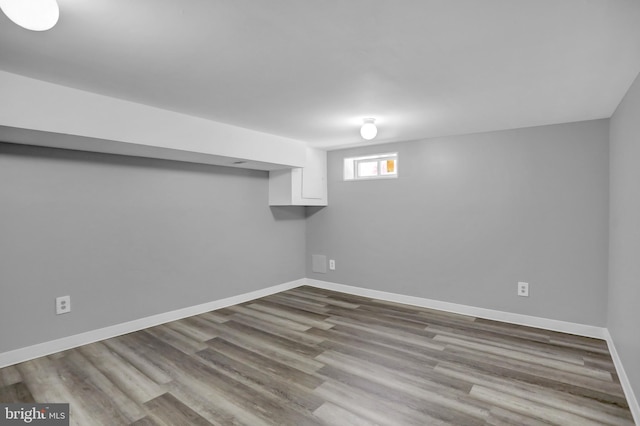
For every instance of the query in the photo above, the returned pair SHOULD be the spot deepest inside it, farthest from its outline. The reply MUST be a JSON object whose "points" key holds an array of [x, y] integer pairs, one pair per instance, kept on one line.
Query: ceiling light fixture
{"points": [[369, 130], [34, 15]]}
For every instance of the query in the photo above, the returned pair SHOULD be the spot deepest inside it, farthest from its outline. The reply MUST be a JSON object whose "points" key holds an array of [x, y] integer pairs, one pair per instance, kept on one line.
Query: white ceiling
{"points": [[312, 69]]}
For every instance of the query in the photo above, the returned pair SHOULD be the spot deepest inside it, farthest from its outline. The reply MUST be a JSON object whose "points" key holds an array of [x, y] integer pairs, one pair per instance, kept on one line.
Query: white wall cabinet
{"points": [[305, 186]]}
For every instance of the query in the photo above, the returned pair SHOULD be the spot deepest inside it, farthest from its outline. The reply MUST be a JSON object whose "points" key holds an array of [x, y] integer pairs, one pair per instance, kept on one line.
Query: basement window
{"points": [[379, 166]]}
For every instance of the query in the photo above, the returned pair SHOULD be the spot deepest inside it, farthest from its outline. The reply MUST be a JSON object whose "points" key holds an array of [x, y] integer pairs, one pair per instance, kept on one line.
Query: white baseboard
{"points": [[530, 321], [53, 346], [634, 406]]}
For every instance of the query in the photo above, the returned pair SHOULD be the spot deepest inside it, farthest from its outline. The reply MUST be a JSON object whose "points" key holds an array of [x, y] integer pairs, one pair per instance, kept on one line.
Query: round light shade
{"points": [[34, 15], [369, 130]]}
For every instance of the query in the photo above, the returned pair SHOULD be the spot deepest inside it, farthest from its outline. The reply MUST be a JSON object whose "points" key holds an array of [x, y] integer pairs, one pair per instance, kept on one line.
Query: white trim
{"points": [[634, 406], [69, 342], [528, 320]]}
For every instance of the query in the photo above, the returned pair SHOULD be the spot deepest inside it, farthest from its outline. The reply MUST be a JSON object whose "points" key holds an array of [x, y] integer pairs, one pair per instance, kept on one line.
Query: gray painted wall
{"points": [[130, 237], [470, 216], [624, 243]]}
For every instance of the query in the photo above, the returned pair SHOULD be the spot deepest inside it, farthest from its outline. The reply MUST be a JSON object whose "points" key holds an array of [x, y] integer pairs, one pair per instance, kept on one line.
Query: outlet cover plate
{"points": [[523, 289], [63, 305]]}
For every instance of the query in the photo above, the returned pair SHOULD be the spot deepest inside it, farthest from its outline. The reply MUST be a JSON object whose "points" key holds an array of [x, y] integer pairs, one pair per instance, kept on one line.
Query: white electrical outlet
{"points": [[63, 305], [523, 289], [332, 264]]}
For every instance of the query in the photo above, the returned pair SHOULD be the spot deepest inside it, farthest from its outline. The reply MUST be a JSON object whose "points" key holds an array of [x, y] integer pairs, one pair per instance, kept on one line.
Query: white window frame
{"points": [[350, 171]]}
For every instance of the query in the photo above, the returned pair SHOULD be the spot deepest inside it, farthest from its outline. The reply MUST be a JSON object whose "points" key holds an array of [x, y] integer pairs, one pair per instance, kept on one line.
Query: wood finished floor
{"points": [[309, 357]]}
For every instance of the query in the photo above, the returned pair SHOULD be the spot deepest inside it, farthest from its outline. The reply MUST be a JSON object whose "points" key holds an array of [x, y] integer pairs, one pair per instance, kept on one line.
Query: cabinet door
{"points": [[314, 175]]}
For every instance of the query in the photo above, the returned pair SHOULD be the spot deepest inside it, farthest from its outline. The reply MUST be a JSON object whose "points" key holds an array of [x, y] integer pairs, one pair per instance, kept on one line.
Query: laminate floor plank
{"points": [[212, 406], [311, 356], [285, 343], [533, 334], [371, 346], [603, 363], [270, 349], [390, 399], [9, 376], [124, 375], [489, 333], [307, 338], [325, 300], [605, 413], [148, 347], [138, 361], [300, 298], [260, 403], [146, 421], [587, 347], [450, 399], [420, 315], [415, 312], [518, 355], [94, 396], [46, 384], [543, 372], [191, 329], [527, 346], [283, 322], [594, 343], [501, 417], [401, 365], [105, 391], [298, 304], [213, 316], [270, 364], [202, 381], [424, 341], [528, 408], [168, 411], [17, 392], [373, 409], [335, 415], [586, 344], [310, 320], [176, 339], [370, 317], [288, 391], [361, 334], [307, 310], [502, 370]]}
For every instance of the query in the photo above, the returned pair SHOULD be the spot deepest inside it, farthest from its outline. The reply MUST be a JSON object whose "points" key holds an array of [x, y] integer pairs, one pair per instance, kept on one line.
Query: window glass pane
{"points": [[348, 169], [367, 168], [387, 167]]}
